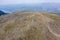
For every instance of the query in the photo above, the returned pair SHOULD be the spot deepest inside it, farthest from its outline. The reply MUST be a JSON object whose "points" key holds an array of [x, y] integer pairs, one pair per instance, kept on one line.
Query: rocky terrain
{"points": [[30, 26]]}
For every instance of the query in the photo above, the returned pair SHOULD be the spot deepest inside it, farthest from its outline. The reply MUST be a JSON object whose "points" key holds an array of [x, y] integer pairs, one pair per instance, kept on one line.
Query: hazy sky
{"points": [[7, 2]]}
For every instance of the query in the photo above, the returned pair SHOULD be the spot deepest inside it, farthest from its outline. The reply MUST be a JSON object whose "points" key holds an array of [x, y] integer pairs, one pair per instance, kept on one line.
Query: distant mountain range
{"points": [[43, 7]]}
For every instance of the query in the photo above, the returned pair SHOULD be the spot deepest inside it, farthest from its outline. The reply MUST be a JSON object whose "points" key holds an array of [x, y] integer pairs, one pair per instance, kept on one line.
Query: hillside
{"points": [[2, 13], [30, 26]]}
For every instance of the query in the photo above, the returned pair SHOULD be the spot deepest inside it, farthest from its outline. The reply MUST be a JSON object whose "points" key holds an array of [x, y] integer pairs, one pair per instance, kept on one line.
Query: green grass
{"points": [[9, 27]]}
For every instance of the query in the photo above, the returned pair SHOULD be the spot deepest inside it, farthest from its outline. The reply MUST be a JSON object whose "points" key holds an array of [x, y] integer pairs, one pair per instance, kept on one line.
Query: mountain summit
{"points": [[30, 26]]}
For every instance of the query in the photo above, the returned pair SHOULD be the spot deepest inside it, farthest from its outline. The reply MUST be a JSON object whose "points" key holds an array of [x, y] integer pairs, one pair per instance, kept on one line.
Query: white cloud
{"points": [[6, 2]]}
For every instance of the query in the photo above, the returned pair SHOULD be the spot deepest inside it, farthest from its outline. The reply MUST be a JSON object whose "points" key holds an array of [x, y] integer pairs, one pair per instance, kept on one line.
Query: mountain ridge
{"points": [[30, 26]]}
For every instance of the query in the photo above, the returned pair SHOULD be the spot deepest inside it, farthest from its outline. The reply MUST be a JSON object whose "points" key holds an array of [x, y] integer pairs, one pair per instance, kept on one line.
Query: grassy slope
{"points": [[52, 16], [27, 26]]}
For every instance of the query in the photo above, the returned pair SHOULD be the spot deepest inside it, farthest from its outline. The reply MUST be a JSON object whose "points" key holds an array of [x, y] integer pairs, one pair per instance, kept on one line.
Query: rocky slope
{"points": [[30, 26]]}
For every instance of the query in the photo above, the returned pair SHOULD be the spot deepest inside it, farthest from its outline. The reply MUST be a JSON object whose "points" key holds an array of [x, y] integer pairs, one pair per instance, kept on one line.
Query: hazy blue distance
{"points": [[43, 7]]}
